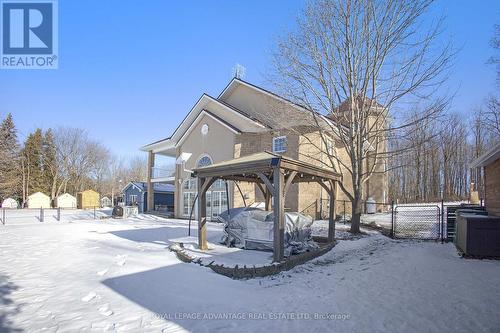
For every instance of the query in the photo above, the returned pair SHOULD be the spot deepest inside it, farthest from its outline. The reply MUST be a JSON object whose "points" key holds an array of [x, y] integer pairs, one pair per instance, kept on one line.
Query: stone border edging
{"points": [[245, 272]]}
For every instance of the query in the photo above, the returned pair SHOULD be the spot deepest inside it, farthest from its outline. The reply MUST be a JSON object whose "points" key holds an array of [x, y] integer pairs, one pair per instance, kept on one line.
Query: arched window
{"points": [[204, 161]]}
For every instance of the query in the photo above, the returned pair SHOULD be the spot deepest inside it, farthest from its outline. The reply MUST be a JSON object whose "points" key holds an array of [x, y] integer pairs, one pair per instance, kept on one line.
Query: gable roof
{"points": [[157, 187], [254, 116], [283, 114], [228, 114]]}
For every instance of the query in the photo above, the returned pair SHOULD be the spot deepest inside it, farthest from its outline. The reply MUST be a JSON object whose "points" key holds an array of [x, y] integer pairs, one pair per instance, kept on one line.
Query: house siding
{"points": [[218, 144], [492, 187], [133, 190]]}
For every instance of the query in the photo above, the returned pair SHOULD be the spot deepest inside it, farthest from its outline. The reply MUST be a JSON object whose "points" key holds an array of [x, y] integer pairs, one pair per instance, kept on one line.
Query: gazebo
{"points": [[273, 174]]}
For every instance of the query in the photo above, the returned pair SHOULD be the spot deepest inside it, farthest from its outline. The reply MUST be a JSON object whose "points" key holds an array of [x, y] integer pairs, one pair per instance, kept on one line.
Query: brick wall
{"points": [[492, 187], [304, 197]]}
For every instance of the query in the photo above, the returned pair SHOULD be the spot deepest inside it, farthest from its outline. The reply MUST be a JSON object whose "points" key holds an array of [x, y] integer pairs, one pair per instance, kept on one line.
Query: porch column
{"points": [[202, 215], [279, 215], [333, 211], [150, 196]]}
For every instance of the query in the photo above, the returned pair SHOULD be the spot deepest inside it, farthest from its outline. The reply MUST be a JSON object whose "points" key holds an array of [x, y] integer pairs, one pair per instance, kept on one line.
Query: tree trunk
{"points": [[357, 209]]}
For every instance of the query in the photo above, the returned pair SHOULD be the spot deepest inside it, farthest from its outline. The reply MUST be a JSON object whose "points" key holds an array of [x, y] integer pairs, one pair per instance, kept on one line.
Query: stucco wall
{"points": [[218, 144]]}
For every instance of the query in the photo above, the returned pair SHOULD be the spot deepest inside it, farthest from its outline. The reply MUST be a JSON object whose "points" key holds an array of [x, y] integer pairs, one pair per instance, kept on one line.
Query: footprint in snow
{"points": [[90, 296], [122, 259], [105, 311], [103, 272]]}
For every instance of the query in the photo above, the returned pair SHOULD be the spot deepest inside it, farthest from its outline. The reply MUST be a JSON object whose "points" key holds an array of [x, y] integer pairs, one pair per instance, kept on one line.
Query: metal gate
{"points": [[417, 222]]}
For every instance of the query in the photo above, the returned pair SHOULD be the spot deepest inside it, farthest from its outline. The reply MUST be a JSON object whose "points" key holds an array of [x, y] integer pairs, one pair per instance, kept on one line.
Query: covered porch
{"points": [[273, 174]]}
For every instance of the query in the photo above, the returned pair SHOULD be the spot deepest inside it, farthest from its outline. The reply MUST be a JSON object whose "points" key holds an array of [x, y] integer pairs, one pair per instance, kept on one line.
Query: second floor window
{"points": [[279, 144]]}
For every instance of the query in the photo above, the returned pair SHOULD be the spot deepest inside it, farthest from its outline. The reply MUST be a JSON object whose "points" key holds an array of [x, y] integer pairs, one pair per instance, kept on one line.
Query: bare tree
{"points": [[373, 59], [492, 116], [82, 161]]}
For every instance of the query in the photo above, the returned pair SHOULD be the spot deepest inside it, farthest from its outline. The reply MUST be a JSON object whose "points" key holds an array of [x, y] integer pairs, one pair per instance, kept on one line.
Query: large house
{"points": [[245, 119]]}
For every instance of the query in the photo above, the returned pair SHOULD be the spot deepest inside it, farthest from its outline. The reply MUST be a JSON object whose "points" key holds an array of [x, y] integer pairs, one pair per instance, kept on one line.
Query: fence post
{"points": [[58, 213], [442, 221], [3, 216], [392, 219], [94, 212], [41, 214]]}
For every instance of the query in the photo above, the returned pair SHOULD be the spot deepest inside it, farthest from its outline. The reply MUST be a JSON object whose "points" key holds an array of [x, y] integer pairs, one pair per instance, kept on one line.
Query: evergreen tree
{"points": [[32, 164], [9, 153], [50, 165]]}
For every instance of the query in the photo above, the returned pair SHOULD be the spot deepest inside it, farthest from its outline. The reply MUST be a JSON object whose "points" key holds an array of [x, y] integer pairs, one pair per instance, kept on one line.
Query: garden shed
{"points": [[38, 200], [106, 202], [88, 199], [9, 203], [66, 200]]}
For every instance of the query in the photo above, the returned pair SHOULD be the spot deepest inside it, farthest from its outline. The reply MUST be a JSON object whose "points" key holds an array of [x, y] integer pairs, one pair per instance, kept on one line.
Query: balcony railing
{"points": [[160, 173]]}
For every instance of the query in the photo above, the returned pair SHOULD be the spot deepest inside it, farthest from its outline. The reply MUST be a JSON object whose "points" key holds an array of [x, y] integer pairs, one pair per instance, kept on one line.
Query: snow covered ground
{"points": [[118, 275]]}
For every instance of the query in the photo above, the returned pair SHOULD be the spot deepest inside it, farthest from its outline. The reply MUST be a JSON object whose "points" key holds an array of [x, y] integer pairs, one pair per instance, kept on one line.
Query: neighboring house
{"points": [[38, 200], [490, 162], [65, 200], [246, 119], [135, 194]]}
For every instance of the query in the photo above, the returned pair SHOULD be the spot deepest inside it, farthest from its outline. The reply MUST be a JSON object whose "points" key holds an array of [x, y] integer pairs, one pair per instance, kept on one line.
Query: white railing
{"points": [[160, 173]]}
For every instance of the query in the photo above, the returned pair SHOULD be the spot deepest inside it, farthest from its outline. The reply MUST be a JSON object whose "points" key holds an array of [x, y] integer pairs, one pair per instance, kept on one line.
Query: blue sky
{"points": [[129, 71]]}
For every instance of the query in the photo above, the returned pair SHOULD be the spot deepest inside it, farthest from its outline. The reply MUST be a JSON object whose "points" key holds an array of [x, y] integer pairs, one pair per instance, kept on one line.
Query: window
{"points": [[189, 184], [132, 199], [187, 202], [330, 149], [218, 185], [204, 161], [279, 144]]}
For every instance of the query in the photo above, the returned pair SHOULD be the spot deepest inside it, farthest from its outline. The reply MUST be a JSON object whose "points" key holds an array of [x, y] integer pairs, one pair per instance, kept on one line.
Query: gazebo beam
{"points": [[268, 198], [289, 180], [266, 181]]}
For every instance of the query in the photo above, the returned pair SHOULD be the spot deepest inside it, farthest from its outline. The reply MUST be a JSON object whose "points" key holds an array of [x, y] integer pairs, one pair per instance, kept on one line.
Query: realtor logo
{"points": [[29, 34]]}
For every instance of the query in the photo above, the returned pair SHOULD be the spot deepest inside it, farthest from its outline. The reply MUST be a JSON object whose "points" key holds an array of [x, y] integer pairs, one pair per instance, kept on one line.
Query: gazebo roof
{"points": [[245, 168]]}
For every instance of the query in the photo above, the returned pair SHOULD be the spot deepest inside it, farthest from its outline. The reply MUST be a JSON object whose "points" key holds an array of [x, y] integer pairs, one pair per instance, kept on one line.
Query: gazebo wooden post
{"points": [[202, 215], [333, 211], [279, 214], [267, 200]]}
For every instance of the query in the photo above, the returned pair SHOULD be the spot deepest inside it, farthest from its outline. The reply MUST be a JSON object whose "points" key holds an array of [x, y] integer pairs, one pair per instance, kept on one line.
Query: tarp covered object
{"points": [[252, 229]]}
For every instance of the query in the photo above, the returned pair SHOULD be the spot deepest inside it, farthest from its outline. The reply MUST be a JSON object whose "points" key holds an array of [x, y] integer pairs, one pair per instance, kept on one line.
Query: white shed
{"points": [[105, 202], [38, 200], [66, 200], [9, 203]]}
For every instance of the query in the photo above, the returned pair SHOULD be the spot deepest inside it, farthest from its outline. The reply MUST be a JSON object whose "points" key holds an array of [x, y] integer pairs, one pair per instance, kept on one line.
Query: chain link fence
{"points": [[417, 222]]}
